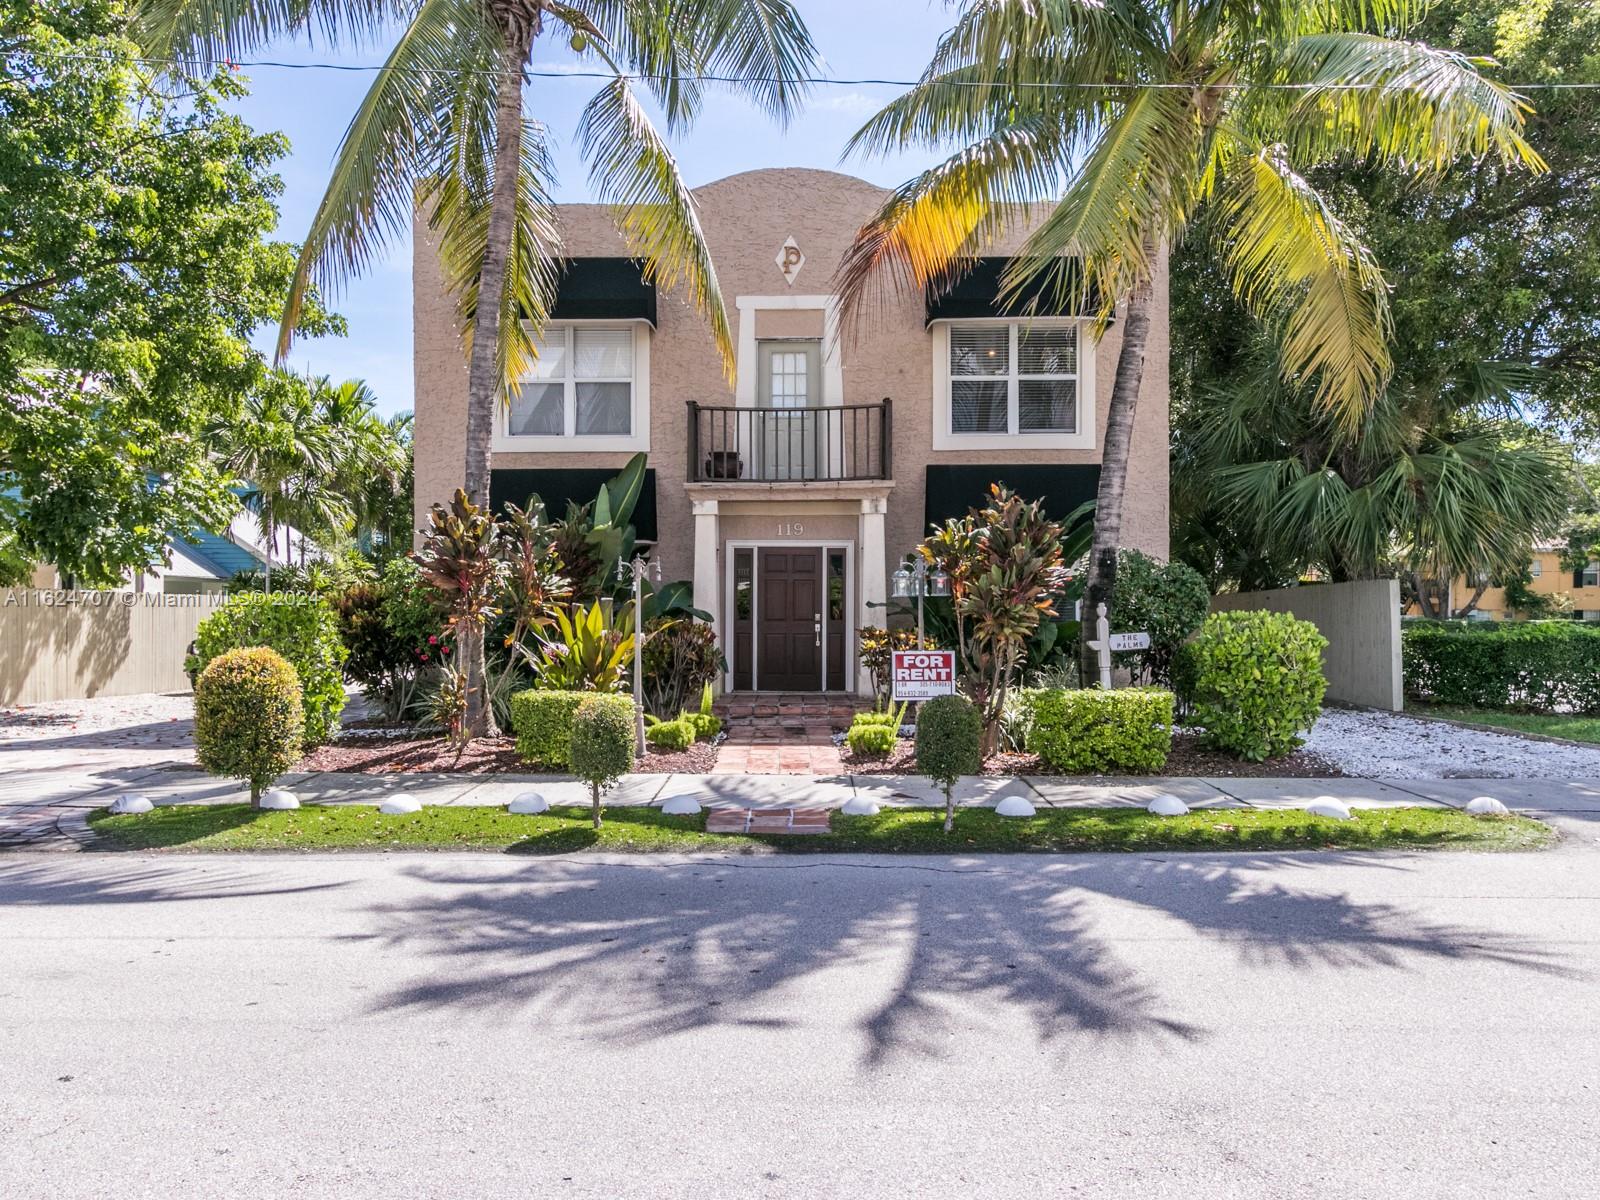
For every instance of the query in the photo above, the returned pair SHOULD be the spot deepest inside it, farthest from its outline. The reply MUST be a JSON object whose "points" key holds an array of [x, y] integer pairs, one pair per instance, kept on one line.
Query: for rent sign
{"points": [[924, 674]]}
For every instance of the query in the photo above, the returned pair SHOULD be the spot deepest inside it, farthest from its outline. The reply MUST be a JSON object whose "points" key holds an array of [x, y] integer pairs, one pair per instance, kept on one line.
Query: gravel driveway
{"points": [[1388, 745]]}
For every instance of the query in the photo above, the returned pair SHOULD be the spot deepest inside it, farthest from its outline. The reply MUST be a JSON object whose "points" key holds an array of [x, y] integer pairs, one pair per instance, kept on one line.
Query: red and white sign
{"points": [[924, 674]]}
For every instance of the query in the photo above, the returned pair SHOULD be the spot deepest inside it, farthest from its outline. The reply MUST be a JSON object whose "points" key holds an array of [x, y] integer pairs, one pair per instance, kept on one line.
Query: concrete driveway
{"points": [[481, 1025]]}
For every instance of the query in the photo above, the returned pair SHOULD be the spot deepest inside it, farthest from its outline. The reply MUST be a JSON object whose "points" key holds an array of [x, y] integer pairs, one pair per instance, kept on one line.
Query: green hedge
{"points": [[542, 721], [1085, 730], [304, 630], [1547, 666]]}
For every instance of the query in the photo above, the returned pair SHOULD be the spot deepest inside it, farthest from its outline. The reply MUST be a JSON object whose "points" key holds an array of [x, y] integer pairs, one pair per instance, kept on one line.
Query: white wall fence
{"points": [[68, 645], [1361, 621]]}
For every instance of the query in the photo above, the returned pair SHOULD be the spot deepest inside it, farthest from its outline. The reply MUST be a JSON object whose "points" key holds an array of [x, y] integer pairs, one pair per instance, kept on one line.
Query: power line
{"points": [[537, 72]]}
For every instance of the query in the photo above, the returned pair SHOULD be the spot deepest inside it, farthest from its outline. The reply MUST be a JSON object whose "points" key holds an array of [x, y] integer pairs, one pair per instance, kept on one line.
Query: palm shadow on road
{"points": [[568, 944]]}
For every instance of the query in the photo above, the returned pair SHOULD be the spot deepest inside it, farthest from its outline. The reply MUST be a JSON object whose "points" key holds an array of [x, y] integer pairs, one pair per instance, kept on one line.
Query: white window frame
{"points": [[1536, 569], [1591, 576], [639, 417], [944, 436]]}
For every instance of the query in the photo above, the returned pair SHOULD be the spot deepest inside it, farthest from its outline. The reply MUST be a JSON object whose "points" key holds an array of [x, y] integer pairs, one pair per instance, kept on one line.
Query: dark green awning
{"points": [[977, 294], [604, 289], [557, 485], [952, 490]]}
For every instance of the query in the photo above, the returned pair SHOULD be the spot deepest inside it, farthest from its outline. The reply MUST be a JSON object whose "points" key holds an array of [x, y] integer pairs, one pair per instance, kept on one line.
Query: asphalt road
{"points": [[482, 1025]]}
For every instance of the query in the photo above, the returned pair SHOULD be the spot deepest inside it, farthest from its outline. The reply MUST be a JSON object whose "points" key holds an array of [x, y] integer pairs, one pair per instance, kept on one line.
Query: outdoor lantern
{"points": [[939, 582], [902, 583]]}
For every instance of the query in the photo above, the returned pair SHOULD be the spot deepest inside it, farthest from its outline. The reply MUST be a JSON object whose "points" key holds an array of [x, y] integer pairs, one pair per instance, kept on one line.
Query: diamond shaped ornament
{"points": [[790, 259]]}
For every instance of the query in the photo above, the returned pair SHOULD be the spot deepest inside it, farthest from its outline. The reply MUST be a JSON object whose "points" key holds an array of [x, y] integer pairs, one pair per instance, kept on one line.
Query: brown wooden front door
{"points": [[789, 591]]}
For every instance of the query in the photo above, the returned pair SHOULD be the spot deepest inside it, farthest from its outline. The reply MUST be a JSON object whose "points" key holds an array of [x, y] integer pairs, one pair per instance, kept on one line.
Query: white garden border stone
{"points": [[1486, 806], [400, 803], [131, 802], [1167, 805], [279, 799], [859, 806], [1014, 806], [528, 803], [1331, 808], [680, 806]]}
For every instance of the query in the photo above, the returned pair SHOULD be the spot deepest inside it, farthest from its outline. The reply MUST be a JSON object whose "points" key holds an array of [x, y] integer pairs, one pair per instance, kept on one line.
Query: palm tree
{"points": [[445, 120], [287, 459], [1432, 482], [373, 456], [1133, 120]]}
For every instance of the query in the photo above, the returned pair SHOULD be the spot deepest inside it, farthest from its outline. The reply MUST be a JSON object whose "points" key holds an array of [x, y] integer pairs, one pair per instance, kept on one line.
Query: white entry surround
{"points": [[719, 508]]}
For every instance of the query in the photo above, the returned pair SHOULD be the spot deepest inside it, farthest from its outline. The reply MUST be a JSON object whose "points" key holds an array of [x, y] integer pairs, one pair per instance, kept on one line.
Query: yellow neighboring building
{"points": [[1580, 588]]}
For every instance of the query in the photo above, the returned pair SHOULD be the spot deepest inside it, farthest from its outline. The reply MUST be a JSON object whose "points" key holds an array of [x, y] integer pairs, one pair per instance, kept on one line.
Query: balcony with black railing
{"points": [[833, 444]]}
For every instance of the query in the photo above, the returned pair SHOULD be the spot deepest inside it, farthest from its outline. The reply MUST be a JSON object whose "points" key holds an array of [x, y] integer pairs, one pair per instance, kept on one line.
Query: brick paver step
{"points": [[729, 819]]}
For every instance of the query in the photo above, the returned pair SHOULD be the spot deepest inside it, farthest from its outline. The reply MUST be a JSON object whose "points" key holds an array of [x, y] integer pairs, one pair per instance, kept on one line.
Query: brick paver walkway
{"points": [[783, 734]]}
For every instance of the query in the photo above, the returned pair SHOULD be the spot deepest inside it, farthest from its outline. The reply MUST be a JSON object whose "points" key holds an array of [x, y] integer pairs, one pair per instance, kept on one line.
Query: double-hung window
{"points": [[1006, 382], [1591, 575], [584, 392]]}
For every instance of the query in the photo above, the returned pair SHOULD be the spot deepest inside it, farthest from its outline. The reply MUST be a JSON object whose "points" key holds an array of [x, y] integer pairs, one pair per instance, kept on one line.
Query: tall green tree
{"points": [[134, 265], [448, 114], [1139, 121]]}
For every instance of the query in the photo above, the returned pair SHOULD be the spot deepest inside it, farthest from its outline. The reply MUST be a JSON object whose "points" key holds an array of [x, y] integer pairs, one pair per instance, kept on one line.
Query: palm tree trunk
{"points": [[483, 373], [1101, 583]]}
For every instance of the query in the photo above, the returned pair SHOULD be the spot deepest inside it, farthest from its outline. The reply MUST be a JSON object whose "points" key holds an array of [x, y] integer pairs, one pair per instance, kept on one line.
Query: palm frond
{"points": [[1134, 189], [631, 168], [1401, 102], [1291, 259], [434, 103], [456, 205], [218, 30], [929, 227]]}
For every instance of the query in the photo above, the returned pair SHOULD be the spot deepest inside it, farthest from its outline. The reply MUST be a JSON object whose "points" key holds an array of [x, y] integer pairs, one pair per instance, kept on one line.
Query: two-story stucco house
{"points": [[789, 495]]}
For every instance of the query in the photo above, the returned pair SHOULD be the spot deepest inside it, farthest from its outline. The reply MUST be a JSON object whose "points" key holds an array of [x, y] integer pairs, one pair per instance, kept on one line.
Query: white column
{"points": [[707, 579], [873, 586]]}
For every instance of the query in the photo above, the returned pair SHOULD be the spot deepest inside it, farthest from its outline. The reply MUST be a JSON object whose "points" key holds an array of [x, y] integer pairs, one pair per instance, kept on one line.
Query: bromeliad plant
{"points": [[592, 652], [1007, 572]]}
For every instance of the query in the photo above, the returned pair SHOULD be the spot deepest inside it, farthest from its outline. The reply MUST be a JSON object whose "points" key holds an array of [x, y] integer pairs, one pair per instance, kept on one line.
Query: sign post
{"points": [[922, 674], [1105, 643]]}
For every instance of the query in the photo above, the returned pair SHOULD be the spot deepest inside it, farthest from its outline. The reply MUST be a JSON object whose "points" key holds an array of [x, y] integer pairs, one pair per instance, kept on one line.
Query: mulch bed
{"points": [[1188, 758], [485, 756]]}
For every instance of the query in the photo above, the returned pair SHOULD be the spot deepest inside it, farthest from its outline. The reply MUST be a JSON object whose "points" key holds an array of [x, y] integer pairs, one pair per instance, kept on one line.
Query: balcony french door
{"points": [[791, 438]]}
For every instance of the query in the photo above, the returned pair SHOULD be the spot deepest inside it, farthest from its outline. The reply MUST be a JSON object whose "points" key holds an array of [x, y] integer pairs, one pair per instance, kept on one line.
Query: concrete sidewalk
{"points": [[50, 809]]}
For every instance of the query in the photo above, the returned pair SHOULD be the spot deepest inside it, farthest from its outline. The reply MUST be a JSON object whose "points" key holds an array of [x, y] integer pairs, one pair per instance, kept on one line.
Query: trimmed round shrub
{"points": [[1256, 682], [542, 721], [1083, 731], [601, 750], [949, 736], [670, 735], [300, 627], [870, 741], [248, 719], [949, 745]]}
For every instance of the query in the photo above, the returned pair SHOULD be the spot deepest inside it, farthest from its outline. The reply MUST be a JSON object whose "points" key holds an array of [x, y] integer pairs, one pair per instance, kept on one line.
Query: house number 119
{"points": [[790, 529]]}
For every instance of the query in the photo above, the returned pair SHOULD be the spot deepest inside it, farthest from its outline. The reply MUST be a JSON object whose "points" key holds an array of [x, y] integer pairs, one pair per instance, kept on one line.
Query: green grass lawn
{"points": [[898, 831], [1575, 728]]}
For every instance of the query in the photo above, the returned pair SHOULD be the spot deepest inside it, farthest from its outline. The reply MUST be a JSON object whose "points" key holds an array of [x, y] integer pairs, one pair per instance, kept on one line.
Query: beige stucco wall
{"points": [[1361, 621], [75, 645], [746, 219]]}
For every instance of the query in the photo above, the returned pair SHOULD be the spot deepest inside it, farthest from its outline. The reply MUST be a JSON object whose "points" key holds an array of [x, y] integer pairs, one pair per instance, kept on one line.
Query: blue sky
{"points": [[858, 39]]}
